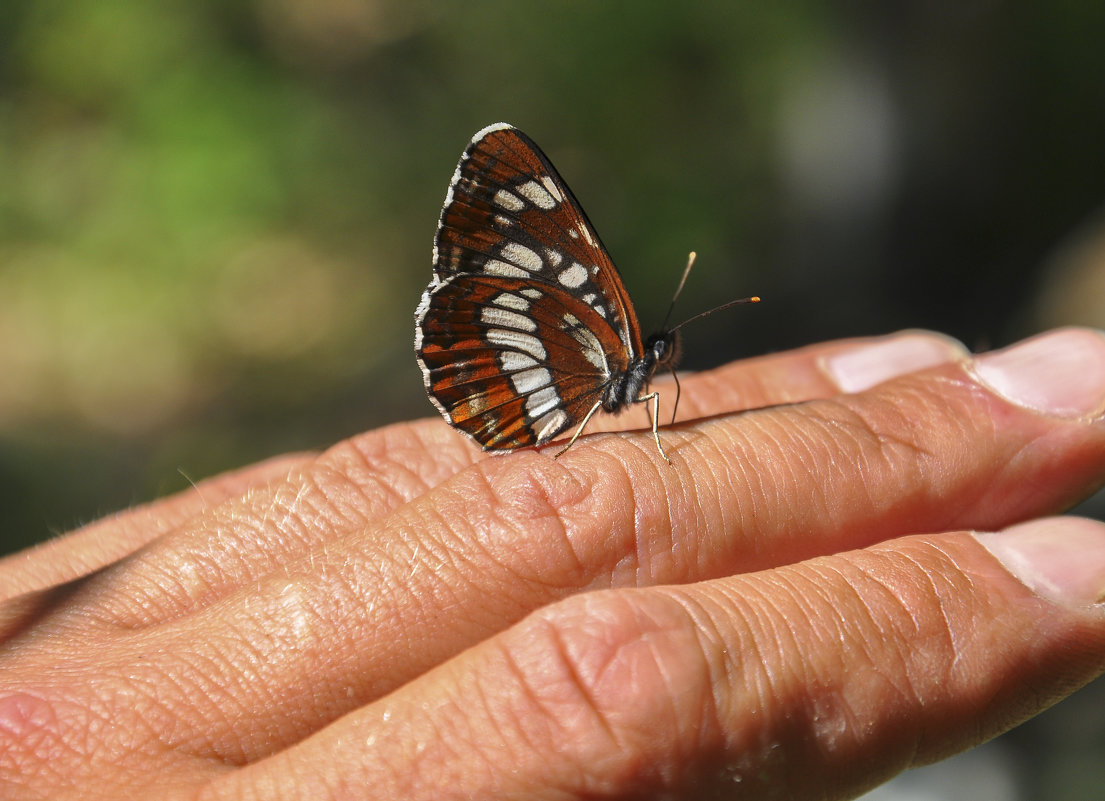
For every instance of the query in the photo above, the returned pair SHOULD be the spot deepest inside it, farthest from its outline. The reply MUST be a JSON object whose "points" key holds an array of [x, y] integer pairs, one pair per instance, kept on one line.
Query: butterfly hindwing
{"points": [[510, 364]]}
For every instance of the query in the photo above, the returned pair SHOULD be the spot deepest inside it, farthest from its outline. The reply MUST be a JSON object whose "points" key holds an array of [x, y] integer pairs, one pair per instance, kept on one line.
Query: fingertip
{"points": [[1059, 373], [866, 365], [1059, 558]]}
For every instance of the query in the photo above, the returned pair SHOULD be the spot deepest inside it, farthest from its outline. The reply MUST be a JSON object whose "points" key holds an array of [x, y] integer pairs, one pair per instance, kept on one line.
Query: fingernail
{"points": [[864, 366], [1061, 373], [1060, 558]]}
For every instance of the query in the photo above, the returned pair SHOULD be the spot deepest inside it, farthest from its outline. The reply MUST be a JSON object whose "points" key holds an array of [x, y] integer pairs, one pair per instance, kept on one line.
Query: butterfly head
{"points": [[663, 349]]}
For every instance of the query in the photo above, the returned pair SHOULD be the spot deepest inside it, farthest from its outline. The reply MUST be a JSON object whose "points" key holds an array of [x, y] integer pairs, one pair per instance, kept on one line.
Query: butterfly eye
{"points": [[670, 351]]}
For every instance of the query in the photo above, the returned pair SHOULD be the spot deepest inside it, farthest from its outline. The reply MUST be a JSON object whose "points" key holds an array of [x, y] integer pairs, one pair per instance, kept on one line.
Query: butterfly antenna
{"points": [[671, 308], [700, 315], [678, 289]]}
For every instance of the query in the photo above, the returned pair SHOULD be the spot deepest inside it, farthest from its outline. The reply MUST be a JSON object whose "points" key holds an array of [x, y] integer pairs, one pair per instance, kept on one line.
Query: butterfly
{"points": [[526, 328]]}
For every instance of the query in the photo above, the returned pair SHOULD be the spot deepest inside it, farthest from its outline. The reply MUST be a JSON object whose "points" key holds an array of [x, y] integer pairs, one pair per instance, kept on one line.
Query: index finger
{"points": [[378, 471]]}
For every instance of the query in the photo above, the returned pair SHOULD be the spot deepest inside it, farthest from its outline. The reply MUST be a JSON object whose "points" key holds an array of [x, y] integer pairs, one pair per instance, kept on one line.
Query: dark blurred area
{"points": [[216, 217]]}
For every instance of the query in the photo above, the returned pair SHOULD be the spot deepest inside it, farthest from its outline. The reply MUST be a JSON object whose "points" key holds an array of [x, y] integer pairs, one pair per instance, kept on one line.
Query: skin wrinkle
{"points": [[278, 512], [375, 473], [288, 637], [165, 592], [704, 628], [911, 458], [745, 477], [439, 570], [948, 628], [777, 626], [275, 646], [486, 540], [476, 578], [617, 560], [735, 479], [212, 675], [457, 575], [342, 505], [741, 606], [633, 677], [816, 575], [571, 674], [210, 737], [370, 494], [872, 620], [442, 575], [822, 709], [165, 683], [451, 453], [514, 728], [874, 656], [916, 457], [217, 571], [911, 694], [525, 504], [786, 474], [690, 507], [650, 501], [686, 753], [828, 711], [532, 681], [119, 718], [950, 668], [567, 513], [1009, 467], [675, 506], [929, 582], [749, 740], [64, 736], [871, 449]]}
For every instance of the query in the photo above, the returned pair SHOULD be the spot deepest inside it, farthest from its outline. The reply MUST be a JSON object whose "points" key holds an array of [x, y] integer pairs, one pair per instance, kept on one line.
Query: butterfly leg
{"points": [[655, 398], [579, 430], [652, 396]]}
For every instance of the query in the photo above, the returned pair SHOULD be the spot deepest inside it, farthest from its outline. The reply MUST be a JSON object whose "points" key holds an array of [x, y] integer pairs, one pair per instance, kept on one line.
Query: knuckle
{"points": [[623, 686]]}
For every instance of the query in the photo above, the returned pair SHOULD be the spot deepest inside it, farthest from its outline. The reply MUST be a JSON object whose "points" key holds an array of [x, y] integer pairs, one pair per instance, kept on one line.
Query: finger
{"points": [[817, 680]]}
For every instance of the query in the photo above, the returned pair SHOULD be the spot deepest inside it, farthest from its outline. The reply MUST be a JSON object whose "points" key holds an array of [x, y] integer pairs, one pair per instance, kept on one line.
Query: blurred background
{"points": [[216, 218]]}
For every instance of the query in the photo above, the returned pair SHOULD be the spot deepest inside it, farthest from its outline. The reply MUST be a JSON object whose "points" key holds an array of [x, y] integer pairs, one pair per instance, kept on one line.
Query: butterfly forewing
{"points": [[526, 326], [508, 212]]}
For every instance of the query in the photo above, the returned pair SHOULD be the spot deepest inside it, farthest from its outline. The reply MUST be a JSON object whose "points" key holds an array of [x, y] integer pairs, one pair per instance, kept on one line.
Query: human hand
{"points": [[796, 608]]}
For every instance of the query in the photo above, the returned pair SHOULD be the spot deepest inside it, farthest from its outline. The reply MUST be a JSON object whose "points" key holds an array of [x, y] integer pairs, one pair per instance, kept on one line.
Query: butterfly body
{"points": [[526, 328], [660, 350]]}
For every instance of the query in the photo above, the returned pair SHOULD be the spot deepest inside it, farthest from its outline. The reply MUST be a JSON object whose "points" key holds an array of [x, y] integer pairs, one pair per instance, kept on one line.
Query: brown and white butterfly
{"points": [[526, 329]]}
